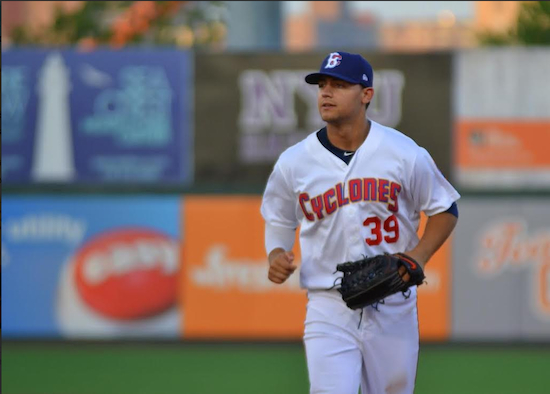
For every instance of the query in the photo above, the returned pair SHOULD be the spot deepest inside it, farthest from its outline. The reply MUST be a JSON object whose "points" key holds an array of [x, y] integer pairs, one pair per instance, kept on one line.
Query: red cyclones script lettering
{"points": [[365, 189], [303, 198]]}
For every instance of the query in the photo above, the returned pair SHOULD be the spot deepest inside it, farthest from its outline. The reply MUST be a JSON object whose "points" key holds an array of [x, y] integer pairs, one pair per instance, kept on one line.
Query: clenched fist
{"points": [[281, 265]]}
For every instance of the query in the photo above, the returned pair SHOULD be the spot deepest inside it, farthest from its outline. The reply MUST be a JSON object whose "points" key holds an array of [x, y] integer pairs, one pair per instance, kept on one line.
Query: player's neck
{"points": [[348, 137]]}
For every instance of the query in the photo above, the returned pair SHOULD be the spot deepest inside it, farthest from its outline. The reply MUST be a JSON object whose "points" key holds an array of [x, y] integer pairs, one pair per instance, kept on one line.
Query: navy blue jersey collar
{"points": [[344, 155]]}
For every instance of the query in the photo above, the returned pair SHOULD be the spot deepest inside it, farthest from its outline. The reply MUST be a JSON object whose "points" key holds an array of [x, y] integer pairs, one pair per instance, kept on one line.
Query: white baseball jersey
{"points": [[346, 211]]}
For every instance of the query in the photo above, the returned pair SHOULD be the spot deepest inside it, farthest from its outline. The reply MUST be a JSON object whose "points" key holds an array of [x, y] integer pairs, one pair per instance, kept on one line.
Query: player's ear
{"points": [[367, 95]]}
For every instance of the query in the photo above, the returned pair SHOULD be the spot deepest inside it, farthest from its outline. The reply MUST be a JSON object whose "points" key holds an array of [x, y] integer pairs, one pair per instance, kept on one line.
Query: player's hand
{"points": [[404, 274], [281, 265]]}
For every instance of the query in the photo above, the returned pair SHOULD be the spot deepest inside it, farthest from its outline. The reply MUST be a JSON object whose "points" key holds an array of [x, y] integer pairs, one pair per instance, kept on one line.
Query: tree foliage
{"points": [[532, 27], [121, 23]]}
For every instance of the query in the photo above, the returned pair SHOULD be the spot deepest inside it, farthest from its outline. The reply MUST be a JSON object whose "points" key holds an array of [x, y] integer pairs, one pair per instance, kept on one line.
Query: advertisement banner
{"points": [[251, 107], [503, 153], [225, 292], [502, 263], [434, 296], [96, 117], [90, 267], [502, 119]]}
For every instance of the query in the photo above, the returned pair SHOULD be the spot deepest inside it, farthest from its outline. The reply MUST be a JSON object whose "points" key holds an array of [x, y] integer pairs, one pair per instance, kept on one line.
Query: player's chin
{"points": [[328, 117]]}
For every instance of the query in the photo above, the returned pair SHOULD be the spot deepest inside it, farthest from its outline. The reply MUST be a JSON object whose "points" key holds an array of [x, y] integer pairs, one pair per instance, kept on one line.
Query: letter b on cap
{"points": [[333, 60]]}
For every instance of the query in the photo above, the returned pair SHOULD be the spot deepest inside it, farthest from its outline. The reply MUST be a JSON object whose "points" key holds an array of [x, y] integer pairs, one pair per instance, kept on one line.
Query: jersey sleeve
{"points": [[278, 203], [431, 191]]}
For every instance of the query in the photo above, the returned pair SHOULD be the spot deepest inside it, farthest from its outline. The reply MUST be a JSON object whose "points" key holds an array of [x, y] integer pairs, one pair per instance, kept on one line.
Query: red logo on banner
{"points": [[128, 273]]}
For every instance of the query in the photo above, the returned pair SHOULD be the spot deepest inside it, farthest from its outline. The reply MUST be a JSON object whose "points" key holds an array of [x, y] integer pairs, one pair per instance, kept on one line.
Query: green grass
{"points": [[484, 370], [165, 368], [151, 369]]}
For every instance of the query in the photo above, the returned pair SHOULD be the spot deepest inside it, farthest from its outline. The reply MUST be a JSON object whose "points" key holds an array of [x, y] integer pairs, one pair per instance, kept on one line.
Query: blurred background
{"points": [[137, 138]]}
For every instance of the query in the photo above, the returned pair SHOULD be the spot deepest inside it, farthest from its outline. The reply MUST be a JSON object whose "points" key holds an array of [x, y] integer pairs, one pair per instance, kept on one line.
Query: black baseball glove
{"points": [[371, 279]]}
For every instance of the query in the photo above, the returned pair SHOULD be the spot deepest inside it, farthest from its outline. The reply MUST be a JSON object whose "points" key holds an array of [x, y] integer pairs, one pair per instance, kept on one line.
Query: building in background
{"points": [[253, 25], [445, 32], [495, 16], [328, 24], [319, 24], [309, 25]]}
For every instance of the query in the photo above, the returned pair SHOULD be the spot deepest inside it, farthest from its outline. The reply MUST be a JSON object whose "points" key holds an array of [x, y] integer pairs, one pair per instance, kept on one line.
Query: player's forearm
{"points": [[438, 228]]}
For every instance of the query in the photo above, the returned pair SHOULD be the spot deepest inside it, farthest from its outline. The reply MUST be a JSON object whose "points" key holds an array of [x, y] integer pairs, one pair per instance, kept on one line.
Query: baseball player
{"points": [[355, 188]]}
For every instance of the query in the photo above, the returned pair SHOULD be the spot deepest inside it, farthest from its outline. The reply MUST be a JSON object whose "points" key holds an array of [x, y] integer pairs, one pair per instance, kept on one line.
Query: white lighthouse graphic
{"points": [[53, 149]]}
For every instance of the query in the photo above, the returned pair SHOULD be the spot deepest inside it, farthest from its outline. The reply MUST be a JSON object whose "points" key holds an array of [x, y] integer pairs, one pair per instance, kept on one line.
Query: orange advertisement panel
{"points": [[225, 290], [225, 293], [434, 314], [502, 144]]}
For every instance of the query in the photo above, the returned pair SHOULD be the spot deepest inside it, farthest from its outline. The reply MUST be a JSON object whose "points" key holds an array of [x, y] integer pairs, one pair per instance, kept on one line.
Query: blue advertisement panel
{"points": [[97, 117], [20, 72], [85, 267]]}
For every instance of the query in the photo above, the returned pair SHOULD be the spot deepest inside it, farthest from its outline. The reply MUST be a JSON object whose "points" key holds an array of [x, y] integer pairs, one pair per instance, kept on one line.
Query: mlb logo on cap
{"points": [[349, 67]]}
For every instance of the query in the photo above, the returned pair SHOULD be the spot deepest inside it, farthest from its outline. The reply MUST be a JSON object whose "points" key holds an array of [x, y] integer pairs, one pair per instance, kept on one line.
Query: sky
{"points": [[398, 10]]}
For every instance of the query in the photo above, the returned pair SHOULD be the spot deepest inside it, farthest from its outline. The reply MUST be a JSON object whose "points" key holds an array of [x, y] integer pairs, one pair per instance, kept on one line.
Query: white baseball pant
{"points": [[345, 348]]}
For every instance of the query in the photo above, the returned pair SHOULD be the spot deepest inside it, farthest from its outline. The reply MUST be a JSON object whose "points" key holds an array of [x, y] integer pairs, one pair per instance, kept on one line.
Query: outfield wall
{"points": [[107, 230], [194, 267]]}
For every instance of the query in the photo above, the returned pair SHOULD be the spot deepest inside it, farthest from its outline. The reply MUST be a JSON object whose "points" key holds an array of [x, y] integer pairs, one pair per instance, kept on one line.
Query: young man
{"points": [[356, 188]]}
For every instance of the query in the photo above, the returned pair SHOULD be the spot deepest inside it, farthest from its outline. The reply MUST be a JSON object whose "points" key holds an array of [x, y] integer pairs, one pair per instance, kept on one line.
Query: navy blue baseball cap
{"points": [[349, 67]]}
